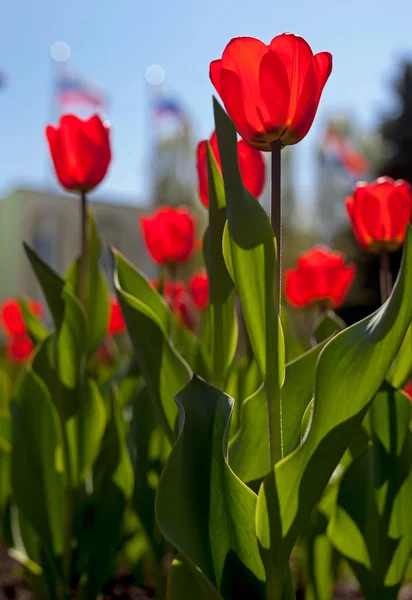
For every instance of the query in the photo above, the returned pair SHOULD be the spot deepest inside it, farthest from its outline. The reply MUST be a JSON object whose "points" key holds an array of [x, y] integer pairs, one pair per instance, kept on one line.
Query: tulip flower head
{"points": [[19, 349], [271, 92], [379, 212], [169, 235], [116, 324], [80, 151], [320, 276], [12, 317], [408, 389], [199, 289], [251, 165]]}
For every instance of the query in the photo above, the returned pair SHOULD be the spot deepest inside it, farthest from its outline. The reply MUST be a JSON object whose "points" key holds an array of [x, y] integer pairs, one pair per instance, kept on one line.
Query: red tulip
{"points": [[116, 320], [169, 235], [19, 349], [320, 276], [379, 212], [408, 389], [271, 92], [12, 316], [80, 151], [179, 301], [251, 164], [199, 289]]}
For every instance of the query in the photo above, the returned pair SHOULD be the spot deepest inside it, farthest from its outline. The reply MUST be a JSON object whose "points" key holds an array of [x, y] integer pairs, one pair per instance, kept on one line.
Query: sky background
{"points": [[113, 42]]}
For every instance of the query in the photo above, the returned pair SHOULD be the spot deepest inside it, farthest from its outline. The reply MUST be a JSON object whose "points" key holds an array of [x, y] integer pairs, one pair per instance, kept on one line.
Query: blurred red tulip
{"points": [[271, 92], [251, 164], [19, 349], [116, 320], [179, 301], [80, 151], [320, 276], [408, 389], [379, 212], [12, 317], [169, 235], [199, 289]]}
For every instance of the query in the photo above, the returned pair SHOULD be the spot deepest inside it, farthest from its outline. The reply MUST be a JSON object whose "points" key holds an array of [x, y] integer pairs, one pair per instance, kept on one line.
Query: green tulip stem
{"points": [[385, 276], [84, 257], [276, 215]]}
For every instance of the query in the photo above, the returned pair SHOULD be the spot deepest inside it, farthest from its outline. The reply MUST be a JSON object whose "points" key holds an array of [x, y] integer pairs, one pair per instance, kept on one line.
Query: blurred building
{"points": [[49, 222]]}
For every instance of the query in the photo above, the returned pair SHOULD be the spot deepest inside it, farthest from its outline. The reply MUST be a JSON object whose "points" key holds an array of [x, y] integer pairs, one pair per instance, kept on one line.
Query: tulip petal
{"points": [[214, 74], [398, 208], [252, 168], [322, 63], [274, 88], [302, 114], [231, 94], [369, 214], [242, 56], [342, 284], [297, 294], [201, 165], [296, 55]]}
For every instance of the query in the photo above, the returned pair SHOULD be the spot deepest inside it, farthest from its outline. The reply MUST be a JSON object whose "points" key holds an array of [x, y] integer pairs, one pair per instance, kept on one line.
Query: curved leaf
{"points": [[251, 258], [186, 582], [222, 339], [97, 303], [350, 370], [147, 318], [36, 466], [202, 508]]}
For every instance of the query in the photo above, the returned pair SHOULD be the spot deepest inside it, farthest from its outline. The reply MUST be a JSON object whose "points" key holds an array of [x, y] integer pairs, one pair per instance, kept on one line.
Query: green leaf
{"points": [[5, 450], [350, 370], [202, 508], [251, 258], [113, 488], [222, 324], [401, 369], [328, 325], [87, 426], [186, 582], [321, 560], [147, 318], [69, 318], [249, 449], [150, 447], [35, 327], [37, 472], [370, 525], [97, 304]]}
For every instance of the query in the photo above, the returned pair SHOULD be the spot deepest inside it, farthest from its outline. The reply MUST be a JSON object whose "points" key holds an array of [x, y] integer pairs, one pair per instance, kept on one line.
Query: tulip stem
{"points": [[276, 215], [84, 257], [385, 276]]}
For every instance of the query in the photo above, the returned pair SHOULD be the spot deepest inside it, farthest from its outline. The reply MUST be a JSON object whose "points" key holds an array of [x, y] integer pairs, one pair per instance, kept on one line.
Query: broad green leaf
{"points": [[249, 449], [37, 471], [186, 582], [222, 323], [329, 324], [35, 327], [401, 369], [5, 449], [294, 346], [97, 304], [350, 370], [147, 318], [202, 508], [150, 446], [297, 392], [370, 526], [69, 318], [88, 426], [321, 560], [250, 254], [113, 488]]}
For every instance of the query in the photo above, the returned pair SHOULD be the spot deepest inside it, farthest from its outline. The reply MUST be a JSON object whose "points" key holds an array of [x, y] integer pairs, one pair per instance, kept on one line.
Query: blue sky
{"points": [[114, 42]]}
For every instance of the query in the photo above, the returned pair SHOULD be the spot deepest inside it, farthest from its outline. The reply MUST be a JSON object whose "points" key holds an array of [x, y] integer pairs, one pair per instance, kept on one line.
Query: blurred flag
{"points": [[71, 87], [338, 152], [3, 79], [166, 105]]}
